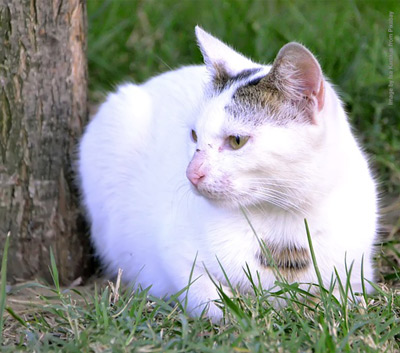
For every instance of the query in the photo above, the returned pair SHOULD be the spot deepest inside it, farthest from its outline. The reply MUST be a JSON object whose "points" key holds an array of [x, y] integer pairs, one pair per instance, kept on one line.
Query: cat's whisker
{"points": [[276, 179], [280, 184], [275, 200], [278, 192], [183, 193], [276, 196], [289, 192], [266, 181]]}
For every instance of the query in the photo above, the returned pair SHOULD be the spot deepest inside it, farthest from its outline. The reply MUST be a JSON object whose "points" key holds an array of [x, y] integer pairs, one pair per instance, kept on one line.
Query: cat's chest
{"points": [[260, 242], [243, 228]]}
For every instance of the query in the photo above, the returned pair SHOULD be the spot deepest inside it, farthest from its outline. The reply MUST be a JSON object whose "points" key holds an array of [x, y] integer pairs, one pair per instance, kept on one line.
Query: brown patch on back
{"points": [[290, 258]]}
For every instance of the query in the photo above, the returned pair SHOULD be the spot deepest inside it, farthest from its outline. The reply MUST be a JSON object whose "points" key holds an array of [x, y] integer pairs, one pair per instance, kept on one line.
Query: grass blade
{"points": [[3, 293], [17, 317], [314, 260], [54, 272]]}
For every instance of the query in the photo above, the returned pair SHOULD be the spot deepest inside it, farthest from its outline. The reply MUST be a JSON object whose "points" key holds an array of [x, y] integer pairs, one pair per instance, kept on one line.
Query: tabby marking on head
{"points": [[222, 80]]}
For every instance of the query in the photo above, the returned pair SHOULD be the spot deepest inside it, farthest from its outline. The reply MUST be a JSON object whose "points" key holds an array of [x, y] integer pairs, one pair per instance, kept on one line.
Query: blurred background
{"points": [[357, 43]]}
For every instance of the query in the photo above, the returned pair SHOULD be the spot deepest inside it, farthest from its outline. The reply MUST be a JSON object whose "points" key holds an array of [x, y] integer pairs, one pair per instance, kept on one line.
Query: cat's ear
{"points": [[220, 59], [298, 74]]}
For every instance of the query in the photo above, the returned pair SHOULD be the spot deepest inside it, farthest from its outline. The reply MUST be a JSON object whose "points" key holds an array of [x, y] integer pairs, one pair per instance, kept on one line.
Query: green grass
{"points": [[111, 319], [134, 40], [3, 286]]}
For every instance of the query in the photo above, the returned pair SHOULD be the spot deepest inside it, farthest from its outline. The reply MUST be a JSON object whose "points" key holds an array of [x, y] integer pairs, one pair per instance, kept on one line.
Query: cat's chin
{"points": [[223, 200], [235, 202]]}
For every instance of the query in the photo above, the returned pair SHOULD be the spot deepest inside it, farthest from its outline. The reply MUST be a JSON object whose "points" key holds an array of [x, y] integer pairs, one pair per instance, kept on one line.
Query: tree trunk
{"points": [[43, 108]]}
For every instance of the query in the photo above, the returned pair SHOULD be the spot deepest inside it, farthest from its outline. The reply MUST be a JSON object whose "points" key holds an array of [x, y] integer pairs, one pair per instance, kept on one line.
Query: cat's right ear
{"points": [[297, 73], [220, 59]]}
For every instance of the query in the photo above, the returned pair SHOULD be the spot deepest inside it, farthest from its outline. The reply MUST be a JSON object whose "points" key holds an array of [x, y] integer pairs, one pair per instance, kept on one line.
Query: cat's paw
{"points": [[210, 308], [214, 313]]}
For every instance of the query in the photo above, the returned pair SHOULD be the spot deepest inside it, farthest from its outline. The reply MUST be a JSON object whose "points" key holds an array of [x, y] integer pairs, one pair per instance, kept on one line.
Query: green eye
{"points": [[194, 136], [236, 142]]}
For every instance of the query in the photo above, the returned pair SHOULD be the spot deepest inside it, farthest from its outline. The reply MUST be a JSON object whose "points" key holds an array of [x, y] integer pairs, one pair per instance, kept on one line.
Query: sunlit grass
{"points": [[111, 318]]}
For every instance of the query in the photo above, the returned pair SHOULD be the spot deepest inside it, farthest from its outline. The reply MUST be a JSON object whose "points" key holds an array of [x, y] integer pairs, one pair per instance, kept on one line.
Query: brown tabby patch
{"points": [[261, 101], [222, 80], [289, 258]]}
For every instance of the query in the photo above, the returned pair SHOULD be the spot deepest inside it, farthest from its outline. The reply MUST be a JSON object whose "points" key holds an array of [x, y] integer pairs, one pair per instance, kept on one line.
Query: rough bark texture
{"points": [[43, 108]]}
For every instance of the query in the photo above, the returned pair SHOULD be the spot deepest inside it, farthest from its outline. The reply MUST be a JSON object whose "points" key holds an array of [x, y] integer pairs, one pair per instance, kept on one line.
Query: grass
{"points": [[112, 319], [3, 285], [133, 40]]}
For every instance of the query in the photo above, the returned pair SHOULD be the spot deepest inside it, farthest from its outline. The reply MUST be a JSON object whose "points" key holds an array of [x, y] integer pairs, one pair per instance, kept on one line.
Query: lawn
{"points": [[134, 40]]}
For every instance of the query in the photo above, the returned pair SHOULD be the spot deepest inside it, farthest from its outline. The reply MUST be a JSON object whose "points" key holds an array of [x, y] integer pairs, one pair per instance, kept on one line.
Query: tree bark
{"points": [[43, 108]]}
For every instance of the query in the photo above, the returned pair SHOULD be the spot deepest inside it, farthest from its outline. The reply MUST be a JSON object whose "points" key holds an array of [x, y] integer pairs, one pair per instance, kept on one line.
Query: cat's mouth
{"points": [[220, 194], [213, 191], [209, 192], [224, 195]]}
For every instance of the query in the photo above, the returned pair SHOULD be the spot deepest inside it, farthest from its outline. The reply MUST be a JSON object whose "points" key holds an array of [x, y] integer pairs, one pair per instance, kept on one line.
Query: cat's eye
{"points": [[237, 141], [194, 136]]}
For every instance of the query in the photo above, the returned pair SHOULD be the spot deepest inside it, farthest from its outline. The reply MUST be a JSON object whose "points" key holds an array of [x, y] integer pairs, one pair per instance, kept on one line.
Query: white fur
{"points": [[216, 52], [147, 219]]}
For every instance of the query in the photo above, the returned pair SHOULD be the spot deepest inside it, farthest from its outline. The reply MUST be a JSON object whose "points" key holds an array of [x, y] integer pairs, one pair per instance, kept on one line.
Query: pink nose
{"points": [[197, 169], [194, 176]]}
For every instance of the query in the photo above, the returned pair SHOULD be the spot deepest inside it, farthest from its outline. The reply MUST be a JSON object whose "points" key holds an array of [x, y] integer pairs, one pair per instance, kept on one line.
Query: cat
{"points": [[184, 175]]}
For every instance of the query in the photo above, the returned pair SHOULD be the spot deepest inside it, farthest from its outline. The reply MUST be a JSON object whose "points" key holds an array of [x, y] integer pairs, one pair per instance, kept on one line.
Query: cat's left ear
{"points": [[299, 74], [220, 59]]}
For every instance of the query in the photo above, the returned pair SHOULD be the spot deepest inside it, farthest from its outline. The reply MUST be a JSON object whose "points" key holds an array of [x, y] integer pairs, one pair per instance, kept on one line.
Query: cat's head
{"points": [[256, 138]]}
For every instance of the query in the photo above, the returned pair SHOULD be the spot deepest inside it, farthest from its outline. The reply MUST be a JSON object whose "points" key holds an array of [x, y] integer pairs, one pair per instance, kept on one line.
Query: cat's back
{"points": [[133, 109], [127, 141], [128, 119]]}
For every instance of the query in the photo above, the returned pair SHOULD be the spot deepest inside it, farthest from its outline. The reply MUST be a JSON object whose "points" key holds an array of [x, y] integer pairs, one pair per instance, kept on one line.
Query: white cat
{"points": [[167, 168]]}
